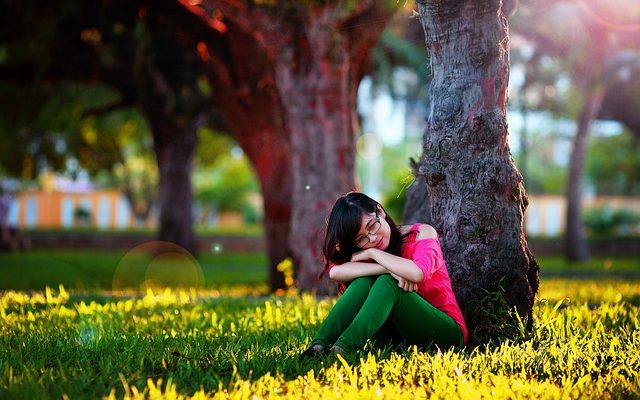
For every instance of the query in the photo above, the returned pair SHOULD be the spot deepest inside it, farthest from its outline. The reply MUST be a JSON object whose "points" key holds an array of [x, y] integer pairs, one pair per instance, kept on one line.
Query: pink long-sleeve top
{"points": [[436, 285]]}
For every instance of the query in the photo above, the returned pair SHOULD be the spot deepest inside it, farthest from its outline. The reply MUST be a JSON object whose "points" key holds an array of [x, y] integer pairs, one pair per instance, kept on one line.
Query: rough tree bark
{"points": [[576, 248], [478, 200], [314, 56], [320, 104], [244, 80]]}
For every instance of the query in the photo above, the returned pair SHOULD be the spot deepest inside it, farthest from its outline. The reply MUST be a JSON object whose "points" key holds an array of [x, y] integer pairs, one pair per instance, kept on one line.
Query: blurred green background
{"points": [[79, 156]]}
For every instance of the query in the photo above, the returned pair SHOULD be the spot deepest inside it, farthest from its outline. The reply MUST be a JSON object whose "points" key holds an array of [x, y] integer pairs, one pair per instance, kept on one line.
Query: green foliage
{"points": [[119, 137], [251, 215], [606, 221], [543, 174], [225, 178], [613, 164], [225, 186], [170, 344], [546, 178], [212, 145], [82, 211], [395, 50], [117, 150], [396, 175], [40, 123]]}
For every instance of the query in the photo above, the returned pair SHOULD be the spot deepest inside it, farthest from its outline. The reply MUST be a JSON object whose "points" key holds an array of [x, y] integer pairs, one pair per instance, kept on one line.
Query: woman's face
{"points": [[374, 231]]}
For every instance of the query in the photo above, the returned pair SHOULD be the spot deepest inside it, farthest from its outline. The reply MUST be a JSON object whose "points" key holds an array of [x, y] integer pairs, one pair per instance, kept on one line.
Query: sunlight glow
{"points": [[619, 16]]}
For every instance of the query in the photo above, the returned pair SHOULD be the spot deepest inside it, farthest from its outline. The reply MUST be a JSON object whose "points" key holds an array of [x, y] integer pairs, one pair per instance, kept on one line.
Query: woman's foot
{"points": [[315, 351]]}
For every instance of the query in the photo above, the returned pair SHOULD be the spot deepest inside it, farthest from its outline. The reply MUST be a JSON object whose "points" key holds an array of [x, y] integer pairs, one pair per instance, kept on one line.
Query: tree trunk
{"points": [[575, 243], [318, 99], [478, 200], [270, 155], [303, 64], [318, 80], [175, 109], [250, 106], [175, 146]]}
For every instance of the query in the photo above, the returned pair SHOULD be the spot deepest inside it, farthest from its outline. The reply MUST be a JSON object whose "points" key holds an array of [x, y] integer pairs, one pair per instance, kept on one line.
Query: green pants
{"points": [[374, 307]]}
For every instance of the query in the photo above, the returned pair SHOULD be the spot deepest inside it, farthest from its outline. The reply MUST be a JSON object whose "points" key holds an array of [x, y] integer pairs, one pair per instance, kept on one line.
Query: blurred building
{"points": [[546, 214], [108, 209], [64, 203]]}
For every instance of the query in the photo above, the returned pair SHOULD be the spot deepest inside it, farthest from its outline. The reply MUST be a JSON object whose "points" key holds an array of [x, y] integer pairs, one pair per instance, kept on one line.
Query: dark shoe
{"points": [[316, 351]]}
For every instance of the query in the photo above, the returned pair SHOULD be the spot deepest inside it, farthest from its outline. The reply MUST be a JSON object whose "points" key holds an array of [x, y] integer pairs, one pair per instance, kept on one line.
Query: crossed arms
{"points": [[377, 262]]}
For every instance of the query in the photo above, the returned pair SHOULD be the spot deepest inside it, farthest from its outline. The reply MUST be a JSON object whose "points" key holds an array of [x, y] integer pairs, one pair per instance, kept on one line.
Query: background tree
{"points": [[283, 75], [140, 53], [286, 75], [476, 193], [243, 81], [596, 42], [117, 150]]}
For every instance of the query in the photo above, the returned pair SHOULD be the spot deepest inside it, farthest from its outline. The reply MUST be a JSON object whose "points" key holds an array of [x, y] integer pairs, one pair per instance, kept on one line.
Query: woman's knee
{"points": [[363, 282], [387, 279], [387, 286], [388, 283]]}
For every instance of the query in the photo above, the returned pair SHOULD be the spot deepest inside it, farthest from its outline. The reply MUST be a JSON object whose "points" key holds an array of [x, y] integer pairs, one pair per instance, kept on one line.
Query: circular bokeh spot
{"points": [[157, 265]]}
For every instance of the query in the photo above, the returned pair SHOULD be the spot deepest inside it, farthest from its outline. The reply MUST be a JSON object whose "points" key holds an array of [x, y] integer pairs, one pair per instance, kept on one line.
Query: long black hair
{"points": [[344, 224]]}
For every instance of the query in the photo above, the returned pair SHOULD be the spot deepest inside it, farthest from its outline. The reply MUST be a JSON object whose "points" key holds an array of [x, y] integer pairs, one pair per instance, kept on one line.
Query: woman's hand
{"points": [[367, 255], [364, 256], [349, 271], [404, 284], [402, 267]]}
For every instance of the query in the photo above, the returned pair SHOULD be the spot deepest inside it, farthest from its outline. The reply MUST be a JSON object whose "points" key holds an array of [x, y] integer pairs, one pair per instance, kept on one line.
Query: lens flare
{"points": [[613, 14], [217, 248], [156, 265]]}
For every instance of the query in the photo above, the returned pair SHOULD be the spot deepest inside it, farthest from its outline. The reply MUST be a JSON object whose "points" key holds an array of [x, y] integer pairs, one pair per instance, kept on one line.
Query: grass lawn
{"points": [[170, 344], [105, 270], [84, 342], [102, 270], [595, 267]]}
